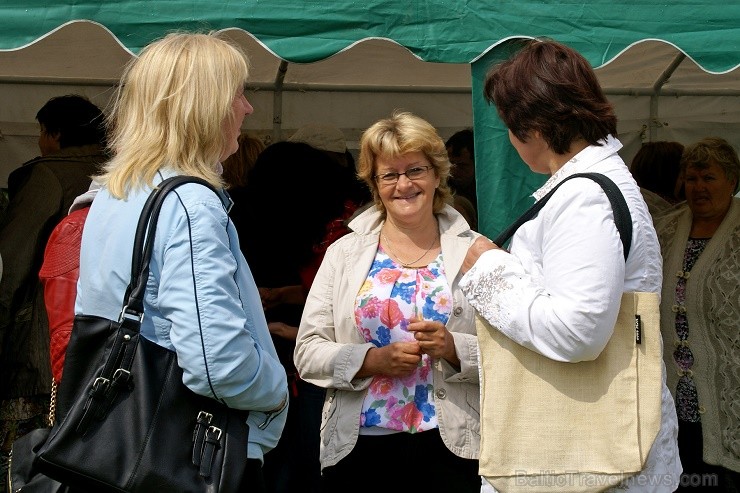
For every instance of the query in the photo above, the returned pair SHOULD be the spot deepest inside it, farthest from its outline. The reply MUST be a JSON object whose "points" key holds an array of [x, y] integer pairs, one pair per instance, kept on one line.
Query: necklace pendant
{"points": [[406, 265]]}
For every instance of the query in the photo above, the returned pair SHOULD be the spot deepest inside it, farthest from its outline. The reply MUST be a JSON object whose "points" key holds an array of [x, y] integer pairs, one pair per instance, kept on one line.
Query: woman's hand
{"points": [[435, 340], [479, 246], [283, 330], [397, 359], [284, 295], [268, 296]]}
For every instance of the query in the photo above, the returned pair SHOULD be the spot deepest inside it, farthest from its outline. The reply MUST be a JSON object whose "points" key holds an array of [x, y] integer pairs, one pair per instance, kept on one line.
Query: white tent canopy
{"points": [[659, 93]]}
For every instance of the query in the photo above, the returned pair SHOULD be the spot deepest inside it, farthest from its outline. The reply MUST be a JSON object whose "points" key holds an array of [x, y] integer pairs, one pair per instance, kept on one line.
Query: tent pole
{"points": [[299, 87], [655, 96], [277, 102]]}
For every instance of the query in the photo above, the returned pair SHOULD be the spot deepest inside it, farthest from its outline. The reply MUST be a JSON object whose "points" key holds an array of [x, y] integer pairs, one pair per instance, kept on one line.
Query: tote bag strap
{"points": [[622, 216], [144, 242]]}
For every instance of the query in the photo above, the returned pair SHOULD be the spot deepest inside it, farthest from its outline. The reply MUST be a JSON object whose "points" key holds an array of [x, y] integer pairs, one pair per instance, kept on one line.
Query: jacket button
{"points": [[441, 394], [458, 311]]}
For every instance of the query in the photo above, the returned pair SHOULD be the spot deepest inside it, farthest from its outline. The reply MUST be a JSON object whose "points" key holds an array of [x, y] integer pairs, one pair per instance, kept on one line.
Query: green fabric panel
{"points": [[435, 30], [473, 31], [504, 182]]}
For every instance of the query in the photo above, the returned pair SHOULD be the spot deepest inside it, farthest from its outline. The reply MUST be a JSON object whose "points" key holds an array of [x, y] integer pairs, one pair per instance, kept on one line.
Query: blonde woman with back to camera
{"points": [[179, 112], [387, 331], [700, 314]]}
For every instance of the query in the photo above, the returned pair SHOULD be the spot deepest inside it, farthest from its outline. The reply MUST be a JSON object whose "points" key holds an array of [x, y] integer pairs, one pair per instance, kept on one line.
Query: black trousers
{"points": [[698, 475], [402, 462], [253, 481]]}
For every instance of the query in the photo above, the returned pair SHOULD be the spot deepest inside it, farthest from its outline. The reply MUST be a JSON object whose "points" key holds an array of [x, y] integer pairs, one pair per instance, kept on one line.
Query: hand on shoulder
{"points": [[481, 245]]}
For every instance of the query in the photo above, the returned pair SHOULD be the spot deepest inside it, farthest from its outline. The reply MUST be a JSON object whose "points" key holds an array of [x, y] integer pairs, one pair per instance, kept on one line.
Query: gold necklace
{"points": [[406, 264]]}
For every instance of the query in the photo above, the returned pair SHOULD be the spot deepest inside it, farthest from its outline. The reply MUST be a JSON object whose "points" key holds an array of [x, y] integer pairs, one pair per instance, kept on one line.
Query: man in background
{"points": [[41, 191], [461, 151]]}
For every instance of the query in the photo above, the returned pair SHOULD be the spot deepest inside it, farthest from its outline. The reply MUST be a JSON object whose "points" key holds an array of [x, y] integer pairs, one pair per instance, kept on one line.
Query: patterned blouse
{"points": [[392, 297], [687, 399]]}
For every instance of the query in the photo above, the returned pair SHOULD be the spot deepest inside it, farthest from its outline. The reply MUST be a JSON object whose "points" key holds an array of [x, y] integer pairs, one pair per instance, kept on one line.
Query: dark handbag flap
{"points": [[23, 476]]}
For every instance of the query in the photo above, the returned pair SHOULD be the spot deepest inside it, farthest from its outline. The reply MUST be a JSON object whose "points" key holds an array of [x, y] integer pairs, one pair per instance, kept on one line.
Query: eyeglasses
{"points": [[415, 173]]}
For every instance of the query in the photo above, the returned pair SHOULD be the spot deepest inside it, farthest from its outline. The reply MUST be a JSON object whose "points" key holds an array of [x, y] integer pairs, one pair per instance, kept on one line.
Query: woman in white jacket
{"points": [[387, 331], [558, 290]]}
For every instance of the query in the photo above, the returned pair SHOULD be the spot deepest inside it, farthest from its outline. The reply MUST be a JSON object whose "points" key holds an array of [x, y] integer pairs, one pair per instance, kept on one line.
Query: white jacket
{"points": [[558, 292]]}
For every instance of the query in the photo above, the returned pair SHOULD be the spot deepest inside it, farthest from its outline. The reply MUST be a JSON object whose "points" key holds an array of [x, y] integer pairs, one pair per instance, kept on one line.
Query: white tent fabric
{"points": [[366, 81]]}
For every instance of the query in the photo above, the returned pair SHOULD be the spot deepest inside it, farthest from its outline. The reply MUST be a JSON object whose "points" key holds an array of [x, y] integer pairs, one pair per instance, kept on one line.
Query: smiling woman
{"points": [[395, 345], [700, 312]]}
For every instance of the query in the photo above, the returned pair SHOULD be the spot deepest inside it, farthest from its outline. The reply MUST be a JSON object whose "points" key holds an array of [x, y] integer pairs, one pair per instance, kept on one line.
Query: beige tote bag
{"points": [[571, 427]]}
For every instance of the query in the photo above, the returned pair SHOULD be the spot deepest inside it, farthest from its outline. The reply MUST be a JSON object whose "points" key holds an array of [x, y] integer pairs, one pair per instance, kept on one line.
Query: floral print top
{"points": [[392, 297], [687, 398]]}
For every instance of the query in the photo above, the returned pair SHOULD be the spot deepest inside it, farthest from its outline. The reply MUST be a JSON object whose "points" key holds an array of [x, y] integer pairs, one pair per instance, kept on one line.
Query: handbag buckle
{"points": [[213, 430], [201, 435], [130, 315], [99, 387], [96, 394], [121, 378], [208, 450]]}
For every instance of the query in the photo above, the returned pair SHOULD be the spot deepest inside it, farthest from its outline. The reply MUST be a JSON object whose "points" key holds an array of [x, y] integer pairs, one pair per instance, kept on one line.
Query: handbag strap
{"points": [[144, 242], [622, 216], [116, 374]]}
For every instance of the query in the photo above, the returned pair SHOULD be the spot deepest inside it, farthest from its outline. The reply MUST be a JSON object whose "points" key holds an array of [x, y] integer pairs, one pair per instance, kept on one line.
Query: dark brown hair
{"points": [[550, 88], [656, 167], [238, 166], [75, 118]]}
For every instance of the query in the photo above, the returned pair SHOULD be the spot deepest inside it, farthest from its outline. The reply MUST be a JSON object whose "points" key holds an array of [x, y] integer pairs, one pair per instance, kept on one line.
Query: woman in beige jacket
{"points": [[387, 331]]}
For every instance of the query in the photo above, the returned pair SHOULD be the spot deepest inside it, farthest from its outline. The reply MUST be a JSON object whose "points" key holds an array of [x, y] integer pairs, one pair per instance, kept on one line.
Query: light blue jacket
{"points": [[197, 277]]}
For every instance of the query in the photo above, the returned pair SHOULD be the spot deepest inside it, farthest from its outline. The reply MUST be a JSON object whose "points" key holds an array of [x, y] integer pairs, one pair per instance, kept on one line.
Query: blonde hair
{"points": [[238, 165], [170, 110], [396, 136]]}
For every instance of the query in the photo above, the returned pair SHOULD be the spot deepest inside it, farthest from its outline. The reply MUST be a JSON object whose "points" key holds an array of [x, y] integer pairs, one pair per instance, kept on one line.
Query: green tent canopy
{"points": [[434, 30], [475, 32]]}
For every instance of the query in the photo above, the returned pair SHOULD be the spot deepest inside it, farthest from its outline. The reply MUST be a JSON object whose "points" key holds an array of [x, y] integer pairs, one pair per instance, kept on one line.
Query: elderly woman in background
{"points": [[389, 334], [700, 313]]}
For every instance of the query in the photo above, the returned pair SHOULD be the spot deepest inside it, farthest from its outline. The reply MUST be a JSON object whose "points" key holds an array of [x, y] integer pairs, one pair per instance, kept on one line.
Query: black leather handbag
{"points": [[125, 421]]}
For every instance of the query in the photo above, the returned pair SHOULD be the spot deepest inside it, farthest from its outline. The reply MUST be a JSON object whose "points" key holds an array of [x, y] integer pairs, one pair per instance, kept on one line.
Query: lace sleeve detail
{"points": [[488, 288]]}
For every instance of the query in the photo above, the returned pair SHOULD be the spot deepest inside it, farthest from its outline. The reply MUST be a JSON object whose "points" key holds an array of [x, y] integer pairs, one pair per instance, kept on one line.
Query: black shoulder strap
{"points": [[144, 241], [622, 217]]}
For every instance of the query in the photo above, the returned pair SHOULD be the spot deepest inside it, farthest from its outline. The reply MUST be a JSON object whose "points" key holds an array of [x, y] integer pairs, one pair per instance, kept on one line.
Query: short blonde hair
{"points": [[702, 154], [396, 136], [171, 108]]}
